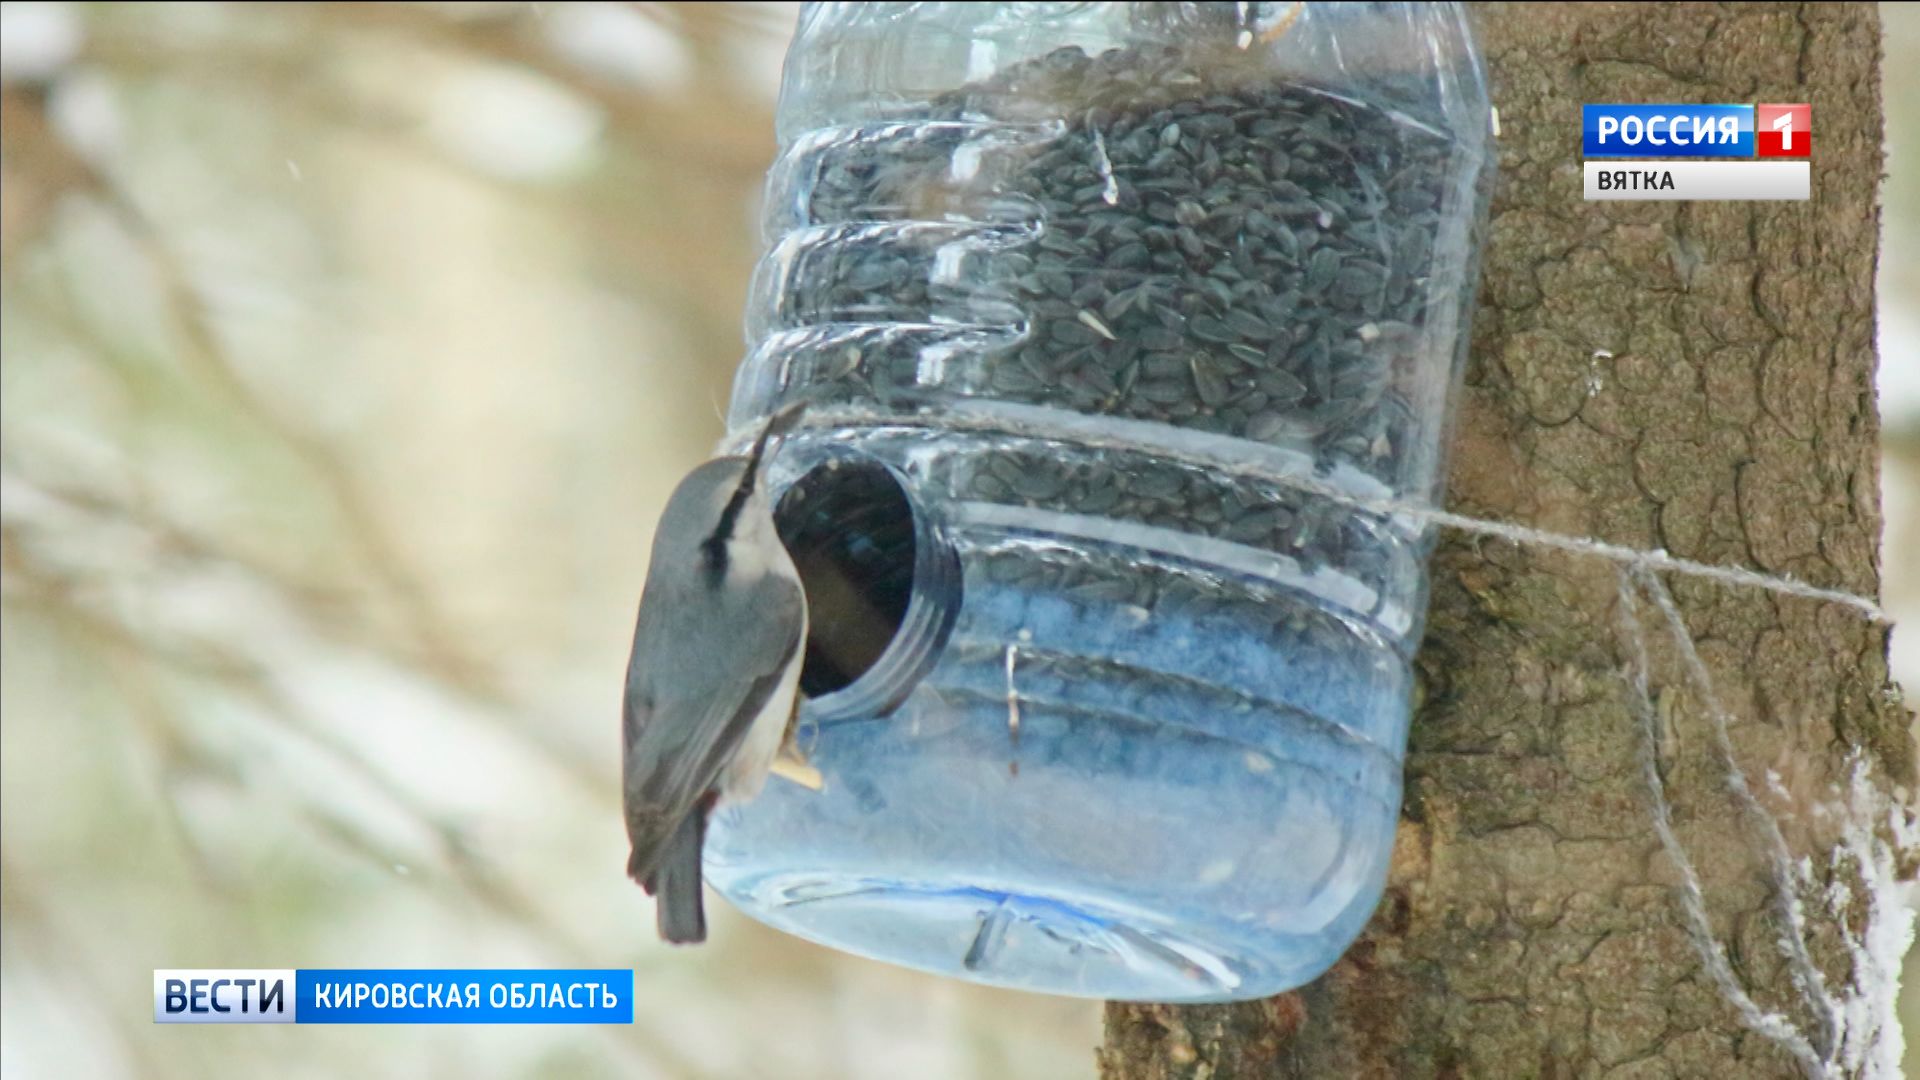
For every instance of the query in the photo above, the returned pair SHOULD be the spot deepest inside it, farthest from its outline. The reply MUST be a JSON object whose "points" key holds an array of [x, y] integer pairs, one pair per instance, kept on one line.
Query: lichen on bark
{"points": [[1696, 377]]}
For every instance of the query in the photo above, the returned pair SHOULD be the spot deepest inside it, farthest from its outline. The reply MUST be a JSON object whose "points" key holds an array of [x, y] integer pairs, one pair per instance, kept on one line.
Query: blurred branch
{"points": [[182, 753], [37, 170], [70, 958], [700, 129], [439, 648], [21, 565], [711, 21], [707, 128]]}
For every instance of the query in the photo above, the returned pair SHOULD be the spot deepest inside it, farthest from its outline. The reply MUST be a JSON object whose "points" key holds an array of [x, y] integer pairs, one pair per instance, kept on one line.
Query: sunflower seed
{"points": [[1186, 247]]}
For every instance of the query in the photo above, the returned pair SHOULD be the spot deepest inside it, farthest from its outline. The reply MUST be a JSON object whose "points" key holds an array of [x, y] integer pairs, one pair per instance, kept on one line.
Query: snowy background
{"points": [[350, 352]]}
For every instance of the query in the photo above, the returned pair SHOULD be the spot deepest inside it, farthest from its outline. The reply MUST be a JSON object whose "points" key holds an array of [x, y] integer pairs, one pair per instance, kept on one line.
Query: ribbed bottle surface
{"points": [[1115, 295]]}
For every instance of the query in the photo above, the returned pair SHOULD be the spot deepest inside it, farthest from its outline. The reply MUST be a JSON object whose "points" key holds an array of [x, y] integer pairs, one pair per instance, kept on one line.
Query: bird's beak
{"points": [[777, 426], [785, 419]]}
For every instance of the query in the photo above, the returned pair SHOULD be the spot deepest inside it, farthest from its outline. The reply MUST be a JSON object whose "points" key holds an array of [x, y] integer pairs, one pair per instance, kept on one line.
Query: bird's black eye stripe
{"points": [[713, 558]]}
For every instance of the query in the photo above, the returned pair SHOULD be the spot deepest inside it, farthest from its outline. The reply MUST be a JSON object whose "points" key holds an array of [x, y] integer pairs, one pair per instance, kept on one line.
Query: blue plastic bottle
{"points": [[1103, 311]]}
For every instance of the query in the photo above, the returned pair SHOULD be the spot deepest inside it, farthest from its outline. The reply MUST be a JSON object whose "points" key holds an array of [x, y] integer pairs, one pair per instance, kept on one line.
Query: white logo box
{"points": [[223, 996]]}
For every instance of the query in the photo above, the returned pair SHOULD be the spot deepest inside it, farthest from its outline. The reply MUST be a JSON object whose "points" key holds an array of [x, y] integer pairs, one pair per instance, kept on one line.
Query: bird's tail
{"points": [[675, 883]]}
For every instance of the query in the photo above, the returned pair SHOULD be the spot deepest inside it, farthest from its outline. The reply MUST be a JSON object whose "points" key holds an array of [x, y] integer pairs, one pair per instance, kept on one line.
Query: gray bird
{"points": [[714, 677]]}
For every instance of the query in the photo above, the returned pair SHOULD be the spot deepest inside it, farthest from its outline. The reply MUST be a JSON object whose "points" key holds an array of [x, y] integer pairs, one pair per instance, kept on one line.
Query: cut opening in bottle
{"points": [[881, 585]]}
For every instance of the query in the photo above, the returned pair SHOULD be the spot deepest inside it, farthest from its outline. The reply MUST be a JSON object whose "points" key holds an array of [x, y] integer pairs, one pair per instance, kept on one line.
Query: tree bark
{"points": [[1696, 377]]}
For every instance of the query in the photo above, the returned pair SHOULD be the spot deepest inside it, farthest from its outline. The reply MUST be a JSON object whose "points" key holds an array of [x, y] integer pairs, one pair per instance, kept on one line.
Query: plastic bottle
{"points": [[1114, 319]]}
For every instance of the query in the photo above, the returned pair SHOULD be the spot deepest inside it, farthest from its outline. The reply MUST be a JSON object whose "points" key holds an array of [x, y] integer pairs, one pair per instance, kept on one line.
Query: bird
{"points": [[713, 678]]}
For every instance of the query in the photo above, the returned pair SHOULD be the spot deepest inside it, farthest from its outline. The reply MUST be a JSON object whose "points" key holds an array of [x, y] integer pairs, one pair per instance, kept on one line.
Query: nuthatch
{"points": [[714, 678]]}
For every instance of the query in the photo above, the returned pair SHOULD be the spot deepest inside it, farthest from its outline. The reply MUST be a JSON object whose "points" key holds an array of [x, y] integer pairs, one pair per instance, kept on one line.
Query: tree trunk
{"points": [[1696, 377]]}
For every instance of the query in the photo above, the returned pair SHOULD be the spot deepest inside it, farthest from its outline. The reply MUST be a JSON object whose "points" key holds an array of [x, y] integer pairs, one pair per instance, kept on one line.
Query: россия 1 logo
{"points": [[1784, 130], [1630, 134], [1624, 131]]}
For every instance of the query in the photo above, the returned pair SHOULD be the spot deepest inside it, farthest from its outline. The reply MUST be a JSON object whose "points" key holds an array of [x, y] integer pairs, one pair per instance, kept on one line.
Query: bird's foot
{"points": [[791, 765]]}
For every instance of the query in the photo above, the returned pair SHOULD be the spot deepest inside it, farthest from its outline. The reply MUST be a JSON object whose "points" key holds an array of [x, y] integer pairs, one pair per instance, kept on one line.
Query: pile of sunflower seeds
{"points": [[1165, 234], [1146, 234], [1155, 492]]}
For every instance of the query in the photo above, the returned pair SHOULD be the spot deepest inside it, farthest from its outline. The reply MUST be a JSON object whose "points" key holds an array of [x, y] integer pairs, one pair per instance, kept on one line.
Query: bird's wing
{"points": [[691, 698]]}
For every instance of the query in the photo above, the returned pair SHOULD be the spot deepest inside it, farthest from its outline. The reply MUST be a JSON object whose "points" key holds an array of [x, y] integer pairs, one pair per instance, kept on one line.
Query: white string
{"points": [[1793, 935], [1693, 900], [1656, 560], [1007, 422]]}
